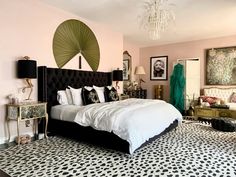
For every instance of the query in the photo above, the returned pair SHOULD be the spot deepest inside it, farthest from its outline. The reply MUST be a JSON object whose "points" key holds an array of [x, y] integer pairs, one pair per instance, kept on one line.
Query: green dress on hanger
{"points": [[177, 84]]}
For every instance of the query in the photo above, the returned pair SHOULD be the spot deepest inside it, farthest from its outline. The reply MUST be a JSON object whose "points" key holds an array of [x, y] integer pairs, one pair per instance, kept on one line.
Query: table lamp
{"points": [[139, 70], [117, 76]]}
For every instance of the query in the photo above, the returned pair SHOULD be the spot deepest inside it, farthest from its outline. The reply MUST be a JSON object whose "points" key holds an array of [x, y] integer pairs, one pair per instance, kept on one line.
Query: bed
{"points": [[50, 80]]}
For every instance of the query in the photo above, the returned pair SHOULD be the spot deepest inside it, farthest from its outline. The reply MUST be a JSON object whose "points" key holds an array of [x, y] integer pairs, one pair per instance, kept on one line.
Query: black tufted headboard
{"points": [[50, 80]]}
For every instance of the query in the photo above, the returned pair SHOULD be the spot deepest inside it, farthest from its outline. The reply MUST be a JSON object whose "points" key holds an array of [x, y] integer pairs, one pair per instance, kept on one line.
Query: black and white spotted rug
{"points": [[190, 150]]}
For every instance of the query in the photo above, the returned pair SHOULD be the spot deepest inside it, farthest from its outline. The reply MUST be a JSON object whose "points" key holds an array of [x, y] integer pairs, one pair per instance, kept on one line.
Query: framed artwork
{"points": [[221, 66], [126, 69], [159, 68]]}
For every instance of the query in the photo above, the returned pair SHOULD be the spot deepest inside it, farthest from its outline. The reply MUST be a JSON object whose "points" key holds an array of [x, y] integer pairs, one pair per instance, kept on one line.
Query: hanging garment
{"points": [[177, 84]]}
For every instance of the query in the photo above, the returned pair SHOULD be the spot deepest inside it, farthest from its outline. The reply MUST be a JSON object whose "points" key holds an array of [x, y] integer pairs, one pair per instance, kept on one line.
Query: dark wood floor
{"points": [[2, 174]]}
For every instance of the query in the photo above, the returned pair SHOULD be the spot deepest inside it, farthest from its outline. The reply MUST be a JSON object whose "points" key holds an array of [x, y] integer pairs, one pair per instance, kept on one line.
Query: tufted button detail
{"points": [[59, 79], [222, 93]]}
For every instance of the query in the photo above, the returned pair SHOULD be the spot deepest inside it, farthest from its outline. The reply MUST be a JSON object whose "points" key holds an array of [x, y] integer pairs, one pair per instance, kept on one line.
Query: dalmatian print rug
{"points": [[189, 150]]}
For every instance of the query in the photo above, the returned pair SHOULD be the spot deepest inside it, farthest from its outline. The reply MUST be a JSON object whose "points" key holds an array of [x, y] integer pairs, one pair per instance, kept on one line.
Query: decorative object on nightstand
{"points": [[25, 112], [117, 76], [26, 69], [139, 70]]}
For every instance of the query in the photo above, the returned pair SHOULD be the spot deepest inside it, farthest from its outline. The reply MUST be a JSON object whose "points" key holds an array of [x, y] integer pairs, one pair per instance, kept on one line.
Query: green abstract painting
{"points": [[221, 66], [73, 37]]}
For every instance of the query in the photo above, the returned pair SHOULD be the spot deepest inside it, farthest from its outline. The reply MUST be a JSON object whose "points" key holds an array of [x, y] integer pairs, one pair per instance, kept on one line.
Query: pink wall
{"points": [[27, 28], [193, 49]]}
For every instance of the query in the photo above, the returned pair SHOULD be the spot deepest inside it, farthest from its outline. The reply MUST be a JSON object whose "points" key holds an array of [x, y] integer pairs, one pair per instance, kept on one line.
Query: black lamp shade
{"points": [[26, 69], [117, 75]]}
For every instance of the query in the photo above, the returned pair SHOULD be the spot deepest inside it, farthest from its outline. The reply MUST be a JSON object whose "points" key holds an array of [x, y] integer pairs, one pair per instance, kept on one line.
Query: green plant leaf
{"points": [[73, 37]]}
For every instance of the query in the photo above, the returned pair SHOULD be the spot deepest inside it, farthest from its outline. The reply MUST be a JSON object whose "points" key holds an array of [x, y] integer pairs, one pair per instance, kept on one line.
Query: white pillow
{"points": [[61, 97], [109, 87], [69, 96], [76, 96], [88, 88], [100, 92]]}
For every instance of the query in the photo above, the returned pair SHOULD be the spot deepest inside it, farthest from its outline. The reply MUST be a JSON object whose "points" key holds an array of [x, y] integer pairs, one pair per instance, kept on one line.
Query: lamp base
{"points": [[117, 86], [30, 86]]}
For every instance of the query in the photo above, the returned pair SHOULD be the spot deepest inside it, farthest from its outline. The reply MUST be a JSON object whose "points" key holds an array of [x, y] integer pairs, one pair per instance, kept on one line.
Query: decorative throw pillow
{"points": [[61, 97], [76, 96], [211, 100], [89, 96], [100, 92], [233, 98], [69, 96], [110, 94]]}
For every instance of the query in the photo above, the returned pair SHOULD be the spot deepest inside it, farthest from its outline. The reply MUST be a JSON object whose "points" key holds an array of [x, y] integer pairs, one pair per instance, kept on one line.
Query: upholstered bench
{"points": [[224, 94], [224, 124]]}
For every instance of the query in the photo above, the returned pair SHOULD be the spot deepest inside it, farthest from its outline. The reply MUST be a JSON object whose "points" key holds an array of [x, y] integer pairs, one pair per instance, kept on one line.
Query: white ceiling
{"points": [[195, 19]]}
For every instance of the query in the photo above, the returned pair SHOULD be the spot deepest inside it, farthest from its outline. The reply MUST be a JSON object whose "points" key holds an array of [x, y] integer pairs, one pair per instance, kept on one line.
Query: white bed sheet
{"points": [[134, 120], [64, 112]]}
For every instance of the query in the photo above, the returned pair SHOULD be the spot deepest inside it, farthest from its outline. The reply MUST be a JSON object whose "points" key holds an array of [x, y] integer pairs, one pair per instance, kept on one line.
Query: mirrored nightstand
{"points": [[25, 112]]}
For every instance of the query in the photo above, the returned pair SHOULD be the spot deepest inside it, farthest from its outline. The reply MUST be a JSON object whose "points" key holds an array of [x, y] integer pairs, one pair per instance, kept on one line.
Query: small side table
{"points": [[26, 111]]}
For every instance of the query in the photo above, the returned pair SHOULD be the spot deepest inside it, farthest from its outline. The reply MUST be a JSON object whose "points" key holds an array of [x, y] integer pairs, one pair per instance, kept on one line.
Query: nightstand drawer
{"points": [[26, 111], [33, 112], [225, 113], [205, 112]]}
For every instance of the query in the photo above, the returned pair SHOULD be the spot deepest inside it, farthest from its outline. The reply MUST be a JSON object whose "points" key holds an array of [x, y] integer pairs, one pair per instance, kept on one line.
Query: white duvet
{"points": [[134, 120]]}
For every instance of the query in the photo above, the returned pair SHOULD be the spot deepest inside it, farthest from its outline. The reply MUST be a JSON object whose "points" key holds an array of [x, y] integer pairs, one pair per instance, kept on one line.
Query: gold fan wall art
{"points": [[73, 37]]}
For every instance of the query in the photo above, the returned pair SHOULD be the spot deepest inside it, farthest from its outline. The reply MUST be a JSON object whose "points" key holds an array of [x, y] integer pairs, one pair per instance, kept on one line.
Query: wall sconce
{"points": [[117, 76], [26, 69], [139, 70]]}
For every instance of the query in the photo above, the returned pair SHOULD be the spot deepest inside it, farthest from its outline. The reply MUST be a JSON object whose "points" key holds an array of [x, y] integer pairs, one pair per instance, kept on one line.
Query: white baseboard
{"points": [[41, 136], [4, 140]]}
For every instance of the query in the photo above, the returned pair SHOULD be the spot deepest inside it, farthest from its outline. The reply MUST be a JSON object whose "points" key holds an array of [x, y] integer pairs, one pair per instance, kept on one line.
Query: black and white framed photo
{"points": [[159, 68], [125, 69]]}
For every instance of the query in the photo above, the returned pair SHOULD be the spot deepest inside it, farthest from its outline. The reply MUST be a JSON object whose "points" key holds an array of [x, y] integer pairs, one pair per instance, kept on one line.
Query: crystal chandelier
{"points": [[156, 17]]}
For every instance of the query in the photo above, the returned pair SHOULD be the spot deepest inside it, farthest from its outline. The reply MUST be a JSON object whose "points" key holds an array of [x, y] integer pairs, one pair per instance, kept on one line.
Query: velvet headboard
{"points": [[50, 80]]}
